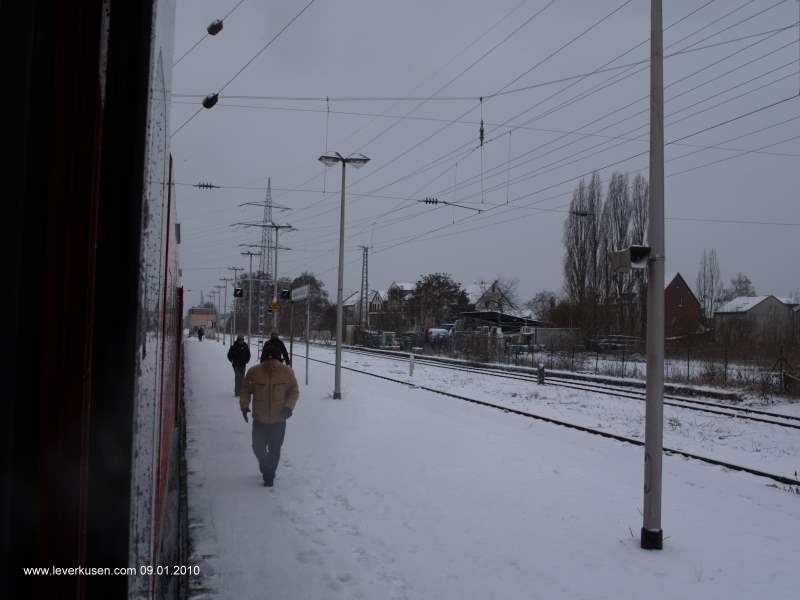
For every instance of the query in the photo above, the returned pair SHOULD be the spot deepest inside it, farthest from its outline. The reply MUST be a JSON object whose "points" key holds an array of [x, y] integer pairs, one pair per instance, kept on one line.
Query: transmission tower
{"points": [[265, 260], [363, 308]]}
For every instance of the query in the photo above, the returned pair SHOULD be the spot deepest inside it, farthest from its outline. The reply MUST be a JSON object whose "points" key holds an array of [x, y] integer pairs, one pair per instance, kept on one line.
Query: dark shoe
{"points": [[268, 482]]}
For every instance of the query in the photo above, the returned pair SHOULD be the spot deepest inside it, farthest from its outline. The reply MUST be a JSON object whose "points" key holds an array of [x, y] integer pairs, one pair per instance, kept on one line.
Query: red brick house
{"points": [[682, 311]]}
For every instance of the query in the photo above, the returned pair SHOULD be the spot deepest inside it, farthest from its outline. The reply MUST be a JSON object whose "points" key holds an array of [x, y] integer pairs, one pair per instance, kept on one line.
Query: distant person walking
{"points": [[273, 389], [239, 356], [275, 342], [200, 332]]}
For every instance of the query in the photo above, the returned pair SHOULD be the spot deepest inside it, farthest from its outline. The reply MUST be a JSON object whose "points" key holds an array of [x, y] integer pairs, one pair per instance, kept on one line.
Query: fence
{"points": [[694, 360]]}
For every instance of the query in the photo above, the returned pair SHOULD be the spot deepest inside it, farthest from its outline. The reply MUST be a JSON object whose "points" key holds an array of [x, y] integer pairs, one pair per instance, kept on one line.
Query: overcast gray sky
{"points": [[358, 51]]}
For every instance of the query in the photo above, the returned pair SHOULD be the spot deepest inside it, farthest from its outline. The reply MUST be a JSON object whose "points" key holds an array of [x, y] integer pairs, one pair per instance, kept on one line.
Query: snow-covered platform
{"points": [[394, 492]]}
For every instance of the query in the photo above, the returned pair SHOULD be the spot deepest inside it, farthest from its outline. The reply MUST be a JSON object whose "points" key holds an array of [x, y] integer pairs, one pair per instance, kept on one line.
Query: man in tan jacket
{"points": [[274, 392]]}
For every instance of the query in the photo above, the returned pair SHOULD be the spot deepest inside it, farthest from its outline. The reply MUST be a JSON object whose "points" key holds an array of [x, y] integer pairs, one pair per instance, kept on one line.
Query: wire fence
{"points": [[764, 371]]}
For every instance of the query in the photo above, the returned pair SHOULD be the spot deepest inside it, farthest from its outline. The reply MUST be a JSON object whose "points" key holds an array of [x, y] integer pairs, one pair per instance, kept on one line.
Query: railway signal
{"points": [[633, 257]]}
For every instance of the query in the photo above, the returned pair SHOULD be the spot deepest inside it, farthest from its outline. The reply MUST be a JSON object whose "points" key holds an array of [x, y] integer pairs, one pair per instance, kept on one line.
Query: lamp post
{"points": [[329, 160]]}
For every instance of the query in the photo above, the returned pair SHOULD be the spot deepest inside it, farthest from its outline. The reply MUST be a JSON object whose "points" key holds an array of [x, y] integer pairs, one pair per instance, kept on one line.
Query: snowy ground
{"points": [[752, 444], [395, 492]]}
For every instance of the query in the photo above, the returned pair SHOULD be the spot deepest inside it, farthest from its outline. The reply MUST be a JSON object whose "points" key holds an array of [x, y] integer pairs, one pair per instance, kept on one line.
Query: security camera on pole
{"points": [[329, 160]]}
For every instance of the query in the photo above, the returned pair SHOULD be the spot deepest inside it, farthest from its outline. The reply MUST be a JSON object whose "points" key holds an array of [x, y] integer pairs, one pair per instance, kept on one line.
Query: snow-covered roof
{"points": [[382, 295], [406, 287], [741, 304], [745, 303], [521, 313]]}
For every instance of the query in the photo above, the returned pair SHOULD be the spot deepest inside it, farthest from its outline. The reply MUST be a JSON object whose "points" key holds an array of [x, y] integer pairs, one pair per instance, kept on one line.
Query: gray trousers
{"points": [[267, 442], [238, 373]]}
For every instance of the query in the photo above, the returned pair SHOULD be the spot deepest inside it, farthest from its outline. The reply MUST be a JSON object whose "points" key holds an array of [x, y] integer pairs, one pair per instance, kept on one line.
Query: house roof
{"points": [[522, 313], [406, 287], [741, 304], [745, 303]]}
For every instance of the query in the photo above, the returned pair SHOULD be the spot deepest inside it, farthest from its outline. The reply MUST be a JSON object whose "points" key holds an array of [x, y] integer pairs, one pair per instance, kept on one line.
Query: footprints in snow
{"points": [[321, 519]]}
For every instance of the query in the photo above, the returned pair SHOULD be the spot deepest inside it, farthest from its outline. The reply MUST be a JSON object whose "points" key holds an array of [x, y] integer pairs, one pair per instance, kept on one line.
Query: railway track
{"points": [[620, 391], [674, 451]]}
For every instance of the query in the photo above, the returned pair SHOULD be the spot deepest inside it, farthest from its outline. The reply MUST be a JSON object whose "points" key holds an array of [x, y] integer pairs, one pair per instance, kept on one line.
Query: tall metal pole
{"points": [[275, 282], [308, 330], [249, 298], [337, 389], [225, 304], [235, 271], [652, 537]]}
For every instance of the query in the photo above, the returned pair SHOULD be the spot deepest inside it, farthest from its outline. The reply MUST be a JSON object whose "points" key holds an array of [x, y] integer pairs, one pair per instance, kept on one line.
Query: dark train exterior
{"points": [[92, 416]]}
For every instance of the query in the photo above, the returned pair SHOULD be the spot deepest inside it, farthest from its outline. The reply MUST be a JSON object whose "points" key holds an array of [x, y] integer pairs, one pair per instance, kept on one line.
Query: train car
{"points": [[92, 414]]}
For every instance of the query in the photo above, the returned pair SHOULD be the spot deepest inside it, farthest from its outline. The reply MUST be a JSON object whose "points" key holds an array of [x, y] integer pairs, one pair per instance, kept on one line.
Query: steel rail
{"points": [[601, 388]]}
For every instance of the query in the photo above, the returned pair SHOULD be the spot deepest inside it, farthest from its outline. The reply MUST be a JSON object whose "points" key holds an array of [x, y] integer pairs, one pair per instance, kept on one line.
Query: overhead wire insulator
{"points": [[214, 27], [210, 100], [205, 185]]}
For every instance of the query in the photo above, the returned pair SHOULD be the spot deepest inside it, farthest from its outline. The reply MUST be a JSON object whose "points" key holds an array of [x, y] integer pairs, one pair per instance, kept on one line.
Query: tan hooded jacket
{"points": [[271, 390]]}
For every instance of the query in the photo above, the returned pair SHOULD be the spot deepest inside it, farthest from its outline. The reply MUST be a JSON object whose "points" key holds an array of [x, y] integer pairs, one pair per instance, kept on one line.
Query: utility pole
{"points": [[265, 260], [652, 537], [218, 289], [225, 304], [277, 229], [363, 309], [250, 296], [235, 279]]}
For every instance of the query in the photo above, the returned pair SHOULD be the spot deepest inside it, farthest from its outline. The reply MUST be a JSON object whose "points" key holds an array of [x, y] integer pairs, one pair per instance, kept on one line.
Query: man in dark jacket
{"points": [[275, 342], [239, 355], [273, 391]]}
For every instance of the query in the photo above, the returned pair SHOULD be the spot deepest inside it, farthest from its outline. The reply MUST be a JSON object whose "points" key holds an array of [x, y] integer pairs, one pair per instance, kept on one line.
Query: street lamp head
{"points": [[331, 158], [357, 160]]}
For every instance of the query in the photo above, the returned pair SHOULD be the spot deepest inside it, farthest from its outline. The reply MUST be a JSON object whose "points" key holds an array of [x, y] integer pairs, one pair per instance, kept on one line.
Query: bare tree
{"points": [[640, 203], [594, 206], [740, 286], [581, 242], [508, 288], [708, 284], [542, 305], [575, 263]]}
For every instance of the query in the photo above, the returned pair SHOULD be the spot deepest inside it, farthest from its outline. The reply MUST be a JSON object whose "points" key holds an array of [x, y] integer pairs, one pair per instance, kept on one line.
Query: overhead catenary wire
{"points": [[578, 130], [588, 134], [481, 98], [198, 42], [249, 62], [610, 137], [701, 29], [466, 148], [447, 64]]}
